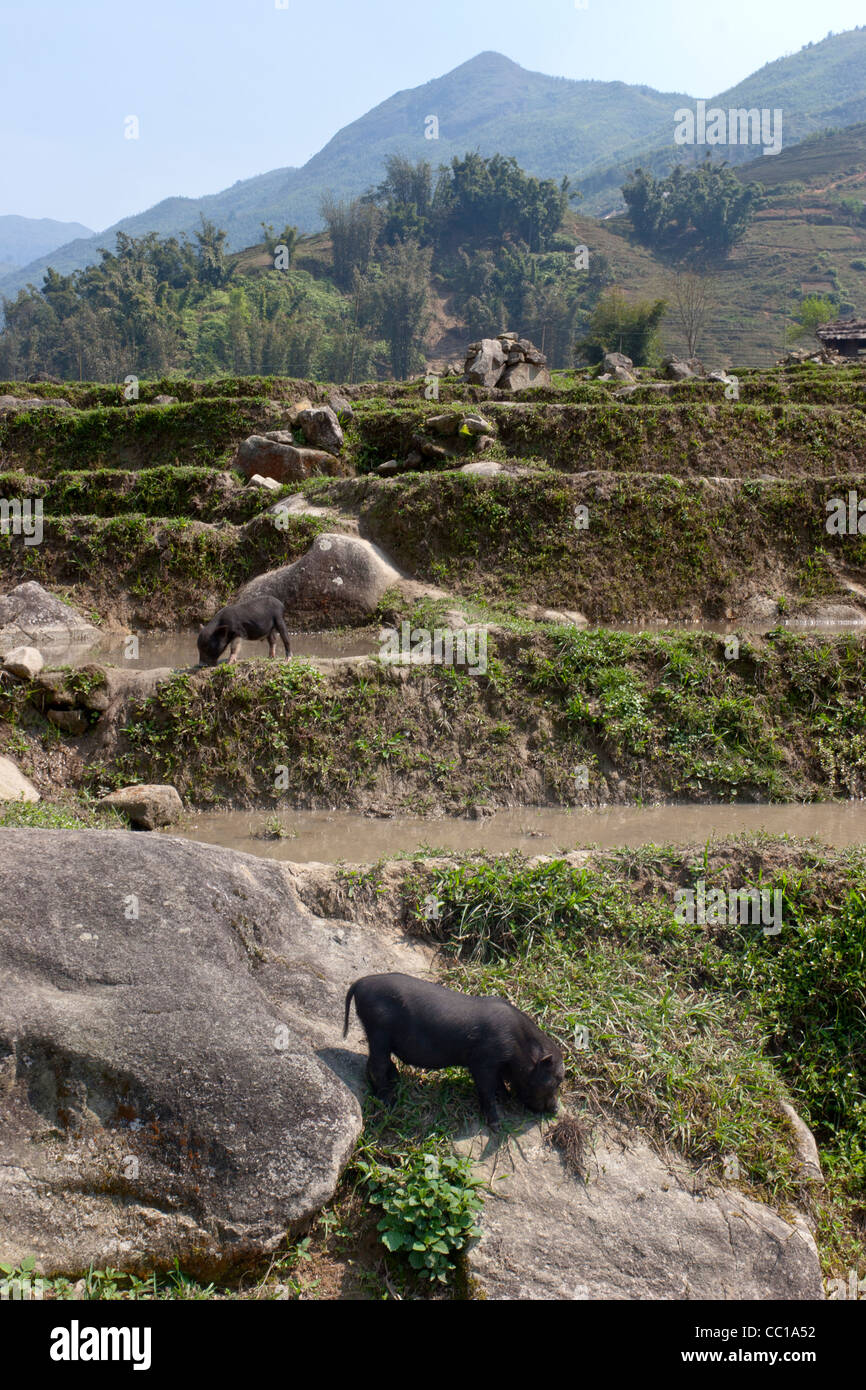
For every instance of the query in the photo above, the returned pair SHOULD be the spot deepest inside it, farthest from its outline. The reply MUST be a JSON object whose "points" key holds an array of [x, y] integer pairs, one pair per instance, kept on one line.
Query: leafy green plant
{"points": [[430, 1205]]}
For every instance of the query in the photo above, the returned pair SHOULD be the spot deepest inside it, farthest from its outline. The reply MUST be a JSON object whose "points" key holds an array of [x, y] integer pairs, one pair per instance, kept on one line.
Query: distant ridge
{"points": [[594, 132]]}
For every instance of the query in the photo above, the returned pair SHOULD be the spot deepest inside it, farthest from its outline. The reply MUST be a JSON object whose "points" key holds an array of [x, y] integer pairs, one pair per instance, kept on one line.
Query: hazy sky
{"points": [[224, 89]]}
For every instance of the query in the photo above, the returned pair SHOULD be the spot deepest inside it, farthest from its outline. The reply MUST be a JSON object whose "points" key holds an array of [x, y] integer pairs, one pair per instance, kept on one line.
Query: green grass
{"points": [[694, 1034], [671, 713]]}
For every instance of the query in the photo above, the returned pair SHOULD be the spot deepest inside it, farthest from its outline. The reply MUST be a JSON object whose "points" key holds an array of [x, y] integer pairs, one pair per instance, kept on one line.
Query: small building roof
{"points": [[842, 330]]}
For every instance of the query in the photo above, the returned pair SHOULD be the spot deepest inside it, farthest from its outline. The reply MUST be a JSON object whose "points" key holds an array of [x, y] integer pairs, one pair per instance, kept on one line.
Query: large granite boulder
{"points": [[146, 805], [273, 455], [340, 579], [612, 360], [170, 1042]]}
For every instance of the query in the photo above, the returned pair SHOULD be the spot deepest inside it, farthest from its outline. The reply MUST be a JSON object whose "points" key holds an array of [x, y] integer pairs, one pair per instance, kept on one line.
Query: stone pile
{"points": [[507, 362]]}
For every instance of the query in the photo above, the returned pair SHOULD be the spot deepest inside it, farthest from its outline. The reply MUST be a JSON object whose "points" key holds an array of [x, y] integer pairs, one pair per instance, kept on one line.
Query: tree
{"points": [[288, 238], [213, 268], [700, 212], [618, 326], [397, 302], [692, 301], [354, 228], [814, 310]]}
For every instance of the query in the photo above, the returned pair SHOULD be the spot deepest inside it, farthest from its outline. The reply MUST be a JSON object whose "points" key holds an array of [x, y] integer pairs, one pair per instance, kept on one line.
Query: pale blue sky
{"points": [[225, 89]]}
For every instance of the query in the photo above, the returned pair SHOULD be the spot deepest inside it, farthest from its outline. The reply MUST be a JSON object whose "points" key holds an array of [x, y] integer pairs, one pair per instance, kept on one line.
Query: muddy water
{"points": [[330, 836], [178, 649]]}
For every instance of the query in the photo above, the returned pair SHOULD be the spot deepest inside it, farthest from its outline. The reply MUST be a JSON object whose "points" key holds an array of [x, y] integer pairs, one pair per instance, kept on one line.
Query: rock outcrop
{"points": [[170, 1042], [637, 1228], [676, 369]]}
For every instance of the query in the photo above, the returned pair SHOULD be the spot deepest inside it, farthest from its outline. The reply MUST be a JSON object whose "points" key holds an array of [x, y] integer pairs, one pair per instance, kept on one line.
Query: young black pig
{"points": [[251, 619], [429, 1026]]}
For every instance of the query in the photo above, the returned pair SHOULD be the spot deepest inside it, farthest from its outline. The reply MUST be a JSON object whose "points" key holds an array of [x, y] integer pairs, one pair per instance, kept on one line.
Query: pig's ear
{"points": [[547, 1062]]}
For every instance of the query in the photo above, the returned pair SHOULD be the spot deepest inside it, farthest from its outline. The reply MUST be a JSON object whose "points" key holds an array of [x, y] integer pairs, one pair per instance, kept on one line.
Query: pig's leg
{"points": [[284, 633], [272, 644], [381, 1072], [234, 649], [488, 1083]]}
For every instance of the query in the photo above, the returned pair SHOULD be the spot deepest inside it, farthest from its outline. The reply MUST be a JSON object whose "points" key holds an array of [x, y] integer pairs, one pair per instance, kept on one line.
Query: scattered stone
{"points": [[321, 428], [13, 405], [148, 806], [388, 468], [26, 662], [436, 453], [807, 1149], [297, 408], [270, 484], [484, 468], [443, 424], [14, 786], [165, 400], [761, 608], [475, 424]]}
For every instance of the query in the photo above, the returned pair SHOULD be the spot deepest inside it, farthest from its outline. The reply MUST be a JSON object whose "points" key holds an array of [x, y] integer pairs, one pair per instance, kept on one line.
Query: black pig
{"points": [[428, 1026], [251, 619]]}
